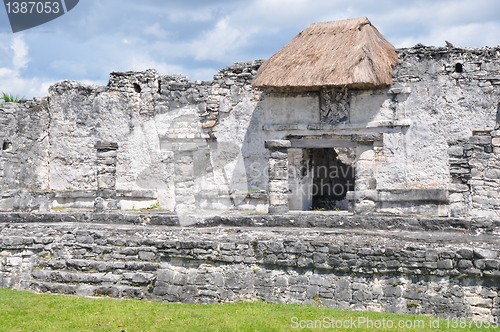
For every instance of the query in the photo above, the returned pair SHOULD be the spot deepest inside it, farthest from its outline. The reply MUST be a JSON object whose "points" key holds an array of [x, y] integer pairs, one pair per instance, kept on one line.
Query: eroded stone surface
{"points": [[200, 145], [436, 273]]}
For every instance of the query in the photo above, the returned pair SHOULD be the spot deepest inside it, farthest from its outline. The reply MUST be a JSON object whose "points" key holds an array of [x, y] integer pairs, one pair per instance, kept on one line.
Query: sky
{"points": [[196, 38]]}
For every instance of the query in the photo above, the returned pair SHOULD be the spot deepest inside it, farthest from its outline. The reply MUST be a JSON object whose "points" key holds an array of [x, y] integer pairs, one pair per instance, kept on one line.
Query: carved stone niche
{"points": [[334, 105]]}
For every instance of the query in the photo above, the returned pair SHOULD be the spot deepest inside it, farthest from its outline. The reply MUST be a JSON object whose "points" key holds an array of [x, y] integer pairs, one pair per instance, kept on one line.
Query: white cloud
{"points": [[220, 43], [20, 49], [467, 35], [143, 62], [432, 22], [194, 37], [156, 30], [191, 14], [15, 59]]}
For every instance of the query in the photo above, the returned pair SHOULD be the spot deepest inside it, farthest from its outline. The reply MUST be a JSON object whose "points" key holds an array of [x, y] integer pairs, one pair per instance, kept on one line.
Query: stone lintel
{"points": [[321, 143], [413, 195], [400, 195], [278, 144], [366, 138], [106, 145]]}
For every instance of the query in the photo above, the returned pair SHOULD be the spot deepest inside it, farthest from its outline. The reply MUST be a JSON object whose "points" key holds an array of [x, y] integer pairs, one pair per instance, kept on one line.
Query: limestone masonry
{"points": [[440, 266], [427, 144], [98, 184]]}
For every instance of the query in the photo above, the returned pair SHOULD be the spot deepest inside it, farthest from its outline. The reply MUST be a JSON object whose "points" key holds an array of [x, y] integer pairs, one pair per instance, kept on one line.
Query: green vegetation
{"points": [[154, 206], [253, 213], [324, 209], [10, 98], [23, 311]]}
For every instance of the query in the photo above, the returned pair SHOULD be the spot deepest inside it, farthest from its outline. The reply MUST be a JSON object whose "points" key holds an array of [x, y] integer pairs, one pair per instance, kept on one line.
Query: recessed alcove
{"points": [[6, 146]]}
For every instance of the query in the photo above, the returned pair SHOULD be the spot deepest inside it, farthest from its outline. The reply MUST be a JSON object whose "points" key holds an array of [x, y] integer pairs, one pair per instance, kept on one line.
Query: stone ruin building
{"points": [[336, 120]]}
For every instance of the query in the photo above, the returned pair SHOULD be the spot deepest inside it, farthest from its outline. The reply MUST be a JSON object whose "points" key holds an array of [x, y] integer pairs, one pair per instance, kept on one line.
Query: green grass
{"points": [[10, 98], [23, 311]]}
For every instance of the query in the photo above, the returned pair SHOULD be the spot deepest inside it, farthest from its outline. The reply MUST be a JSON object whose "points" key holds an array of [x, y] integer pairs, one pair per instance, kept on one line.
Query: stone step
{"points": [[136, 279], [88, 290], [84, 265]]}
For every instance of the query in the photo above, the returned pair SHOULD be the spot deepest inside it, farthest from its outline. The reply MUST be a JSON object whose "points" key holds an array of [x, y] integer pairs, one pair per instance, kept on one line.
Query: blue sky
{"points": [[198, 37]]}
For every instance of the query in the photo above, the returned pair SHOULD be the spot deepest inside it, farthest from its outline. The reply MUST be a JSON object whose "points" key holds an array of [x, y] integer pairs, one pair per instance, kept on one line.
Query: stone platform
{"points": [[406, 264]]}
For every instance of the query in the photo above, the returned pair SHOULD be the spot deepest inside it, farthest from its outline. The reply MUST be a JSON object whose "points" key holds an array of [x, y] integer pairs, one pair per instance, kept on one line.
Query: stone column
{"points": [[365, 197], [185, 191], [278, 176], [106, 176]]}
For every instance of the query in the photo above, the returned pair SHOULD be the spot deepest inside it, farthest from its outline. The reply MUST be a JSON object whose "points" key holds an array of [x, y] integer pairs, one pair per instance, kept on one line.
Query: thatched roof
{"points": [[339, 53]]}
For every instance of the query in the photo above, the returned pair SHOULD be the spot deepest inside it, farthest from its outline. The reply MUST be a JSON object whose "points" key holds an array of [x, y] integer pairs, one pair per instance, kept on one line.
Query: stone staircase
{"points": [[93, 277], [91, 265]]}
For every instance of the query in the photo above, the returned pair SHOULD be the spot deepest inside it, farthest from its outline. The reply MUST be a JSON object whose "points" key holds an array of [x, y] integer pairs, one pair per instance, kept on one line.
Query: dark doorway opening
{"points": [[6, 146], [333, 176], [137, 88]]}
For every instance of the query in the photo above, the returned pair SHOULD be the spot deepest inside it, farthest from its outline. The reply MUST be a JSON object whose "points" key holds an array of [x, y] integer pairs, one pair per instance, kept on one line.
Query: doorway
{"points": [[333, 175]]}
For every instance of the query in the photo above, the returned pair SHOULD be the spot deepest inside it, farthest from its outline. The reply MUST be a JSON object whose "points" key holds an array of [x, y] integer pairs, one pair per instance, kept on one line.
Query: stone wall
{"points": [[166, 127], [475, 171], [201, 145], [452, 94], [423, 265], [24, 139]]}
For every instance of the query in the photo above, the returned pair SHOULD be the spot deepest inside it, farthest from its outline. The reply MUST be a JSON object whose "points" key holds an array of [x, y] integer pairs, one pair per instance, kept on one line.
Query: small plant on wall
{"points": [[9, 98]]}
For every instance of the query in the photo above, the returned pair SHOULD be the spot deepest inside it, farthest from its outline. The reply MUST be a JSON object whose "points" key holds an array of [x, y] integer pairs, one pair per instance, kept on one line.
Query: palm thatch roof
{"points": [[339, 53]]}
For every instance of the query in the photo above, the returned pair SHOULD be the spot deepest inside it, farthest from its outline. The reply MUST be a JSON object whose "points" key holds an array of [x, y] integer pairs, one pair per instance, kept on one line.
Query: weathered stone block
{"points": [[278, 187], [445, 264], [457, 197], [106, 145], [458, 210], [492, 173], [456, 151], [366, 138], [410, 195], [85, 239], [485, 253], [478, 301], [466, 253], [279, 154], [365, 206], [106, 182], [278, 209], [487, 292], [480, 140], [278, 144], [147, 256], [105, 154], [278, 169]]}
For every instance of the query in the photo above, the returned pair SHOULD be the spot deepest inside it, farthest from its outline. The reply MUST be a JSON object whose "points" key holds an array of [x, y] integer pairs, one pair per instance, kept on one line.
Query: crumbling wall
{"points": [[24, 145], [201, 144], [25, 155], [180, 138]]}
